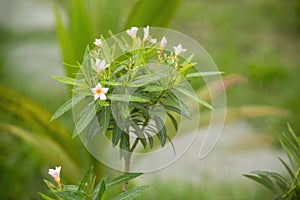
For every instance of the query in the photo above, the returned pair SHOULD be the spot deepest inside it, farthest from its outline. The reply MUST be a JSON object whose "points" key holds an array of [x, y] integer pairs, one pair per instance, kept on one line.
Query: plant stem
{"points": [[127, 160]]}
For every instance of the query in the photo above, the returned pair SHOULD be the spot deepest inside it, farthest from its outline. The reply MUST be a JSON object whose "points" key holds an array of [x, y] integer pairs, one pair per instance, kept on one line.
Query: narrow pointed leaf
{"points": [[131, 194], [67, 106], [122, 179], [195, 97]]}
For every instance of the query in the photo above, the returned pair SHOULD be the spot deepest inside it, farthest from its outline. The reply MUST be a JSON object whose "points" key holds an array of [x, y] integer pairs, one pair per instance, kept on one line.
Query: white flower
{"points": [[98, 43], [163, 42], [100, 65], [132, 32], [178, 50], [55, 173], [153, 41], [99, 92], [146, 33]]}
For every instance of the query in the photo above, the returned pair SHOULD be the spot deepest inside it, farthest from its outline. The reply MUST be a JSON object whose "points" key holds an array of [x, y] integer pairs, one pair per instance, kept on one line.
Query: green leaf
{"points": [[155, 88], [116, 134], [81, 30], [102, 191], [67, 106], [197, 74], [66, 44], [45, 196], [122, 179], [70, 188], [153, 13], [87, 68], [127, 97], [185, 113], [85, 179], [265, 182], [147, 79], [131, 194], [139, 133], [174, 122], [161, 130], [113, 83], [67, 80], [194, 96], [287, 168], [124, 145], [86, 117]]}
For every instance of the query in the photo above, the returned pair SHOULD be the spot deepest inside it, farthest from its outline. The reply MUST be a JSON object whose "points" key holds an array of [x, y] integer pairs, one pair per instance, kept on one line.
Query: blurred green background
{"points": [[259, 40]]}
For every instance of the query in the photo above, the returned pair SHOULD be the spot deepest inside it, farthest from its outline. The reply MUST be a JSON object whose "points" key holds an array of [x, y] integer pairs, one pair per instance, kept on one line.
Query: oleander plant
{"points": [[123, 87]]}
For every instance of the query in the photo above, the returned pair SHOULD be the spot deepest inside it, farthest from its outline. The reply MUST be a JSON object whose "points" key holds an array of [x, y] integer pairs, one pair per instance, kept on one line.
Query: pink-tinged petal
{"points": [[98, 43], [132, 32], [105, 90], [178, 50], [163, 42], [102, 96]]}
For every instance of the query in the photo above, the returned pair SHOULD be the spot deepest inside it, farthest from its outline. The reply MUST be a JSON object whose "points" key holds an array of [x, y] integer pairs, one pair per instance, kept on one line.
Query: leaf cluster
{"points": [[284, 188], [143, 77], [88, 189]]}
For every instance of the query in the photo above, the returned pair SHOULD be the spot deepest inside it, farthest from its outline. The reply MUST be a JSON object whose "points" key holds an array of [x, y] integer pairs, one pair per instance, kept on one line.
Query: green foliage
{"points": [[284, 188], [91, 18], [89, 190], [131, 84]]}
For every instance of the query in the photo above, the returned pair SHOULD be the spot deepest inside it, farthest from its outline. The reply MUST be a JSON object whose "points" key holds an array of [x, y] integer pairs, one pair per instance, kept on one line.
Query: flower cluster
{"points": [[98, 91]]}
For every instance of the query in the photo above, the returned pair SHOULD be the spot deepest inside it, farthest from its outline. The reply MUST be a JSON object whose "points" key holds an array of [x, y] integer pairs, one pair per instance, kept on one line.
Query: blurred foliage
{"points": [[88, 19], [284, 188], [258, 39], [205, 190]]}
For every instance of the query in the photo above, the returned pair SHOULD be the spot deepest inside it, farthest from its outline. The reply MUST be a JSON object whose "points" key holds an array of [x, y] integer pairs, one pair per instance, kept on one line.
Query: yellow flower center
{"points": [[98, 90]]}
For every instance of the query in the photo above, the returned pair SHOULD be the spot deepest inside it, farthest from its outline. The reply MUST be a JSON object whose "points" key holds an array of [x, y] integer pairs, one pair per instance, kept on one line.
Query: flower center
{"points": [[98, 91]]}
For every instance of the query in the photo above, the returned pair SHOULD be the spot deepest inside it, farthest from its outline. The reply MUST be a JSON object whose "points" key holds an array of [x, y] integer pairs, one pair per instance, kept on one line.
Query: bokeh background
{"points": [[256, 43]]}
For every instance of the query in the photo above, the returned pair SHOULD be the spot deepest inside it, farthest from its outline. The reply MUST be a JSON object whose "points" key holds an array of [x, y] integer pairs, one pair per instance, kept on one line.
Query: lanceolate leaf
{"points": [[127, 97], [155, 88], [102, 190], [67, 80], [116, 134], [122, 179], [161, 130], [131, 194], [194, 96], [67, 106], [139, 133], [174, 122], [197, 74], [85, 179], [85, 119]]}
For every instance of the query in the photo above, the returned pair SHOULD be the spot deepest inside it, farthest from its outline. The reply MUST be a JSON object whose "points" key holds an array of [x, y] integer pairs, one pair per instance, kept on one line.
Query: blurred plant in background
{"points": [[285, 189]]}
